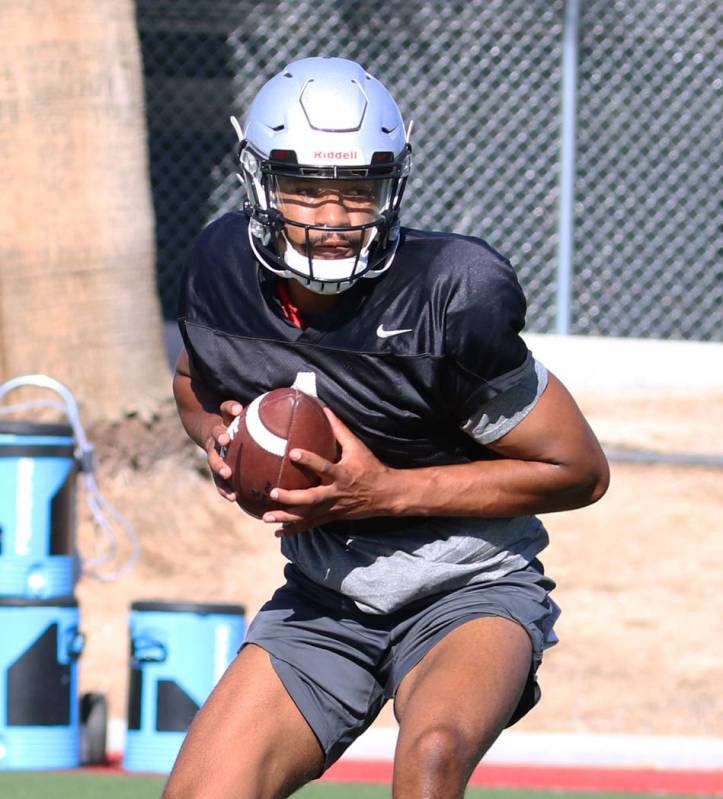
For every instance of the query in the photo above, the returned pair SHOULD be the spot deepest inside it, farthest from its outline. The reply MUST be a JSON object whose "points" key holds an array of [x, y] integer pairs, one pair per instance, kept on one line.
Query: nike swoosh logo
{"points": [[382, 333]]}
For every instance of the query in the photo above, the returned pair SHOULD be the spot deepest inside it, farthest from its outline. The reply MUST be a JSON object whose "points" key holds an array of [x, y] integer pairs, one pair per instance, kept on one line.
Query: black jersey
{"points": [[404, 359], [424, 363]]}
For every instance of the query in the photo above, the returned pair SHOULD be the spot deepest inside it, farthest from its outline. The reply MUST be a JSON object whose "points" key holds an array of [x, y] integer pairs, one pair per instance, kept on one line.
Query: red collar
{"points": [[290, 311]]}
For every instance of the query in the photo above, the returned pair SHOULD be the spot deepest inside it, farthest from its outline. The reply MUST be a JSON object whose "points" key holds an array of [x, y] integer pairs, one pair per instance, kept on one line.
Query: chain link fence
{"points": [[482, 82], [648, 217]]}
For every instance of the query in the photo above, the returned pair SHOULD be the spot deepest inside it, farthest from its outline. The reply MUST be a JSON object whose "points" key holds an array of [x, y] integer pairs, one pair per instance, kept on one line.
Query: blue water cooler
{"points": [[179, 650], [40, 464], [39, 716], [38, 471]]}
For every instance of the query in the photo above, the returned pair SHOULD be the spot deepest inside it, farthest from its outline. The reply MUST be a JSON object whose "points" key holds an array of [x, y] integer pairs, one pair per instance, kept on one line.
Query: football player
{"points": [[413, 573]]}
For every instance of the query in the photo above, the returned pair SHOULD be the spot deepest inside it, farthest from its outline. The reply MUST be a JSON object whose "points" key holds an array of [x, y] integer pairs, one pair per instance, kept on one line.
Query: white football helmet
{"points": [[324, 119]]}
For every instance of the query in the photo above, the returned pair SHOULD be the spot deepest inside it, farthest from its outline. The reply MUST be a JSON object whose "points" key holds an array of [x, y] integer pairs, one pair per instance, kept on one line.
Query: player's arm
{"points": [[205, 417], [549, 458], [551, 461]]}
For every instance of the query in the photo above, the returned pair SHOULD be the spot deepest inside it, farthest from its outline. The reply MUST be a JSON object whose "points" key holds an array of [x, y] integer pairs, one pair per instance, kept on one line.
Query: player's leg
{"points": [[455, 702], [249, 741]]}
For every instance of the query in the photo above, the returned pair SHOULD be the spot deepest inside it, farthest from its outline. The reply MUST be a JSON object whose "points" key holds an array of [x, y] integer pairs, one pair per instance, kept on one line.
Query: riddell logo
{"points": [[336, 156]]}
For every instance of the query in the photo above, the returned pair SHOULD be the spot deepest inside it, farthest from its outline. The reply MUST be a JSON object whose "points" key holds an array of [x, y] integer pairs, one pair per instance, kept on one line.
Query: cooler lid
{"points": [[30, 602], [19, 428], [189, 607]]}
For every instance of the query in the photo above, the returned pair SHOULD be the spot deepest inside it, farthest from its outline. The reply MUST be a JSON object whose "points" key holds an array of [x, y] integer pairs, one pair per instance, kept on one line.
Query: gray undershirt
{"points": [[383, 573]]}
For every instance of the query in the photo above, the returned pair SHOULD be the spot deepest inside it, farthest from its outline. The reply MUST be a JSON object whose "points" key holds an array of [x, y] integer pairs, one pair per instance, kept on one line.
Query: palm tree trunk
{"points": [[78, 298]]}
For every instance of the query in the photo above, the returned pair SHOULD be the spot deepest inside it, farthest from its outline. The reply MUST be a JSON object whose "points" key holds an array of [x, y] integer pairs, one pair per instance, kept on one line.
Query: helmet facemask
{"points": [[285, 201]]}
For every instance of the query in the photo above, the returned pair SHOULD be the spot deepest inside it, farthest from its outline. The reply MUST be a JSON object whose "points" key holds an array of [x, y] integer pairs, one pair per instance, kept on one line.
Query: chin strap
{"points": [[296, 259], [298, 264]]}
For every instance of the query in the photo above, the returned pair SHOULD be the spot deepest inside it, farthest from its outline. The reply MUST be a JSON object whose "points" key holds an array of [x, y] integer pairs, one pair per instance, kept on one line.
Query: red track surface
{"points": [[544, 778], [568, 778]]}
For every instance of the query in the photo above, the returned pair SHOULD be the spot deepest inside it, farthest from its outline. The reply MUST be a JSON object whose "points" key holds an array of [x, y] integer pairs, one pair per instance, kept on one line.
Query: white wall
{"points": [[591, 363]]}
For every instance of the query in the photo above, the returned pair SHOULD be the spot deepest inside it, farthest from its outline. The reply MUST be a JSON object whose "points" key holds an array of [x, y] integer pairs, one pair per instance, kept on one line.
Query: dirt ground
{"points": [[639, 574]]}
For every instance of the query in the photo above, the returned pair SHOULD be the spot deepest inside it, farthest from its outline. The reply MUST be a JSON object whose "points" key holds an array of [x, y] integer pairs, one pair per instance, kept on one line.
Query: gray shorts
{"points": [[341, 665]]}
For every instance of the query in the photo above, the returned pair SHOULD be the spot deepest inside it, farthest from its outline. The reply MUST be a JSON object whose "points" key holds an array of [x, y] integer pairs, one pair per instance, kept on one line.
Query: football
{"points": [[261, 439]]}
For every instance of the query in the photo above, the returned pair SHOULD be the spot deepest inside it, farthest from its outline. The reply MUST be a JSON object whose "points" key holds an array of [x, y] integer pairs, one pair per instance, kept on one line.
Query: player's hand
{"points": [[218, 437], [355, 487]]}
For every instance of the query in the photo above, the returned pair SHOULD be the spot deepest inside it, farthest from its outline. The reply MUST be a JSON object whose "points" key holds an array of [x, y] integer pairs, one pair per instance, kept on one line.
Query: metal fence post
{"points": [[567, 167]]}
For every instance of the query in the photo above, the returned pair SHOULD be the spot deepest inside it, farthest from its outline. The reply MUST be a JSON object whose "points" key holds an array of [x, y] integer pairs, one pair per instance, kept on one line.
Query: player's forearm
{"points": [[496, 488], [198, 408]]}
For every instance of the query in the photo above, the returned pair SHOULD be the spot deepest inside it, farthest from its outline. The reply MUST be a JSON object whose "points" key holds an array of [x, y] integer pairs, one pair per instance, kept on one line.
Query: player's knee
{"points": [[442, 751]]}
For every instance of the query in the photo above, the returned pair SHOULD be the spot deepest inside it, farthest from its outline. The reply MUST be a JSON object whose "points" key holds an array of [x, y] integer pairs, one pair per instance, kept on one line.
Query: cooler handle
{"points": [[74, 643], [145, 649], [107, 518]]}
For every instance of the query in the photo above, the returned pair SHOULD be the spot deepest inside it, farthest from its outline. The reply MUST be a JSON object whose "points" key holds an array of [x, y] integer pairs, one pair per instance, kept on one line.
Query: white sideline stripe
{"points": [[607, 364], [544, 749], [571, 749], [261, 434]]}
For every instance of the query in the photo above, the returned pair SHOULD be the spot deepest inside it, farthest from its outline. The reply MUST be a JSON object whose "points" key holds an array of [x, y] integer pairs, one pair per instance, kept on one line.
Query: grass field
{"points": [[22, 785]]}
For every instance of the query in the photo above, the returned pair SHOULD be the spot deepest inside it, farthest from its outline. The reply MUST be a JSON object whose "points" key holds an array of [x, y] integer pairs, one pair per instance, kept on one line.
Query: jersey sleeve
{"points": [[494, 380]]}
